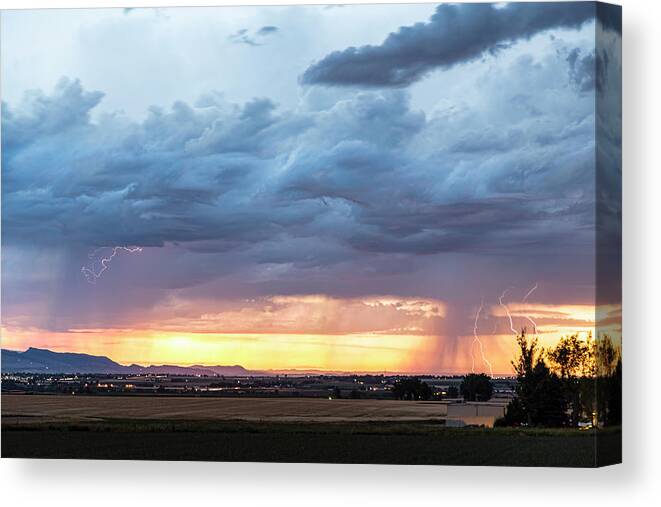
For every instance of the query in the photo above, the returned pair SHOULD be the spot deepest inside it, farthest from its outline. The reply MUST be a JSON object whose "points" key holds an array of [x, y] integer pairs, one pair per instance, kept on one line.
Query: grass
{"points": [[377, 442], [288, 430]]}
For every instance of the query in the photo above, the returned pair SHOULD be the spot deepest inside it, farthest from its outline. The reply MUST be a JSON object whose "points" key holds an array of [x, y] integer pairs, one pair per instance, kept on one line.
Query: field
{"points": [[21, 408], [332, 431]]}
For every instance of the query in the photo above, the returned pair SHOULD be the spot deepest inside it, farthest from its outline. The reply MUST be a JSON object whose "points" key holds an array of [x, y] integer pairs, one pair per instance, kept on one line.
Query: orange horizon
{"points": [[317, 332]]}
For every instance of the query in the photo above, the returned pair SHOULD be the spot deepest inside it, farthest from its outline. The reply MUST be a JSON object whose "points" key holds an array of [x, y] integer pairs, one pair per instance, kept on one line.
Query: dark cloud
{"points": [[582, 69], [609, 169], [267, 30], [245, 36], [610, 16], [588, 71], [242, 37], [42, 116], [368, 173], [456, 33]]}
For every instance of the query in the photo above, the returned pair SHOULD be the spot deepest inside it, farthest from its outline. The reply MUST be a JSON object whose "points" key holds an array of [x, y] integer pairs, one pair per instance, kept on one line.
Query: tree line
{"points": [[576, 381]]}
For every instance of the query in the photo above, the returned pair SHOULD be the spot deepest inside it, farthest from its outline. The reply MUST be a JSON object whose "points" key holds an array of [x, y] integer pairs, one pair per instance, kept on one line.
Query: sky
{"points": [[357, 188]]}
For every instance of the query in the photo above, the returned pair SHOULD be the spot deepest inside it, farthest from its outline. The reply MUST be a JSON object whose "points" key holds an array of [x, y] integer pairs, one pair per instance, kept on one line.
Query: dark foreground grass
{"points": [[420, 443]]}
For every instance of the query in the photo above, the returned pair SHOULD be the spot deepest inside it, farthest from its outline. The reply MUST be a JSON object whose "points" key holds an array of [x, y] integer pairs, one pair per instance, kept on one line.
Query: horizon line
{"points": [[283, 371]]}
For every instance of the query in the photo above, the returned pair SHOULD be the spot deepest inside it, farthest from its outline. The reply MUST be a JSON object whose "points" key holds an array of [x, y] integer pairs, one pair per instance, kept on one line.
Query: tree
{"points": [[528, 355], [571, 356], [515, 414], [606, 356], [591, 371], [411, 389], [544, 400], [476, 387], [453, 392], [608, 373], [614, 396], [540, 398], [571, 360]]}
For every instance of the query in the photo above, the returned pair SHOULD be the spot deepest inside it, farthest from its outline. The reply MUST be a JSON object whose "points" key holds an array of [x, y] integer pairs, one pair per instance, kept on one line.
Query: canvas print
{"points": [[382, 234]]}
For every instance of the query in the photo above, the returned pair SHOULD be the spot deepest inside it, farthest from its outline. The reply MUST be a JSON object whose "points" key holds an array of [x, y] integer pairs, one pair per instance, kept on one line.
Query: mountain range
{"points": [[35, 360]]}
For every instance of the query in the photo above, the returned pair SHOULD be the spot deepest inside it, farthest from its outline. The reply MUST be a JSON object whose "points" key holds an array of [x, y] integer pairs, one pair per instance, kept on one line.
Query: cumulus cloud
{"points": [[42, 116], [367, 172], [455, 34]]}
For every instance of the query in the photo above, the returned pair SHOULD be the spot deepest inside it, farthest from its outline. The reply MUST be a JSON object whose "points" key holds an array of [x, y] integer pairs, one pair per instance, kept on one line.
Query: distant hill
{"points": [[35, 360]]}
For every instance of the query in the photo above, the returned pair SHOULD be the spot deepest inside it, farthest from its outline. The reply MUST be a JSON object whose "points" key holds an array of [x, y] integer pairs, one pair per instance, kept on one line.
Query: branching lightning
{"points": [[509, 315], [92, 275], [476, 338], [507, 310]]}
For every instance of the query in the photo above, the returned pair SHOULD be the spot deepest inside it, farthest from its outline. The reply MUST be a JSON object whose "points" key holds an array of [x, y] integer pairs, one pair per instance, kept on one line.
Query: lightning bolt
{"points": [[525, 298], [507, 310], [476, 338], [91, 275], [534, 288]]}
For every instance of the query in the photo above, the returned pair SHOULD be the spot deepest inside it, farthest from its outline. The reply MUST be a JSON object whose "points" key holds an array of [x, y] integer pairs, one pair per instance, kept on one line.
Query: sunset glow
{"points": [[397, 349]]}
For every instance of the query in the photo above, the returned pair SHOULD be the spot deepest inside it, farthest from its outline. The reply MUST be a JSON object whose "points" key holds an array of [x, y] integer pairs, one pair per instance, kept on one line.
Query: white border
{"points": [[636, 482]]}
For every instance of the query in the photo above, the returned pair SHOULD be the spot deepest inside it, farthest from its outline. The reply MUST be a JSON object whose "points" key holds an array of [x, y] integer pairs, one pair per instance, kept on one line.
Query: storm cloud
{"points": [[455, 34], [348, 192], [368, 173]]}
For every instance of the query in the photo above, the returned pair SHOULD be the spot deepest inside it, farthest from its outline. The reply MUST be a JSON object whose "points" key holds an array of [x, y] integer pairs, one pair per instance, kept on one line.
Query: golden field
{"points": [[33, 408]]}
